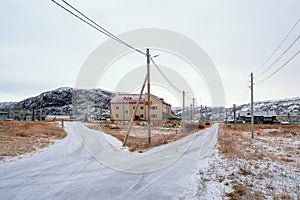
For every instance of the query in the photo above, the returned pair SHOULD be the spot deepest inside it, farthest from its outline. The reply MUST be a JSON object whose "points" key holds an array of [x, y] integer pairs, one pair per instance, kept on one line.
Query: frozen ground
{"points": [[266, 167], [220, 178], [91, 165]]}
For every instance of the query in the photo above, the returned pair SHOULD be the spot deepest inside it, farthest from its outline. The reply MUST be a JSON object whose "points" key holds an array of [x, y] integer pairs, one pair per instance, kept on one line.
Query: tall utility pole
{"points": [[123, 111], [149, 103], [226, 115], [191, 112], [234, 115], [252, 115], [183, 110], [193, 108], [201, 113], [41, 102], [183, 105]]}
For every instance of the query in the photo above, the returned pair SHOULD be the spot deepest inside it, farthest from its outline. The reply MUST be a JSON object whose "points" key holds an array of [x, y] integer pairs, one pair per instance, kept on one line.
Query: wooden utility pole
{"points": [[191, 112], [226, 115], [183, 105], [134, 112], [234, 115], [252, 115], [201, 113], [183, 110], [193, 108], [149, 93], [41, 102]]}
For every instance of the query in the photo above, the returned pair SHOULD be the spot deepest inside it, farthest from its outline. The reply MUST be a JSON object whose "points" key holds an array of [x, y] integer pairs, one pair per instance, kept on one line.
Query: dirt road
{"points": [[90, 165]]}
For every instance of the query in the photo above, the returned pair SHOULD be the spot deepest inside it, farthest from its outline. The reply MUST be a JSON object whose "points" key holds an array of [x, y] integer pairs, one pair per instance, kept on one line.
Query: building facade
{"points": [[289, 117], [267, 117], [122, 107], [3, 115], [19, 113]]}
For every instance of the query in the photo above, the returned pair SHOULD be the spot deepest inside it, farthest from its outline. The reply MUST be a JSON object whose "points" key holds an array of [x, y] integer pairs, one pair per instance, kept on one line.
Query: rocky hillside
{"points": [[94, 104], [281, 107], [78, 103], [289, 106]]}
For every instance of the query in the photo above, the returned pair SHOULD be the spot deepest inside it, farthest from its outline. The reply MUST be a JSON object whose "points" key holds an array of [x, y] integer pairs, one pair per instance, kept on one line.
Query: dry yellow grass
{"points": [[19, 137], [139, 144], [238, 143], [271, 142]]}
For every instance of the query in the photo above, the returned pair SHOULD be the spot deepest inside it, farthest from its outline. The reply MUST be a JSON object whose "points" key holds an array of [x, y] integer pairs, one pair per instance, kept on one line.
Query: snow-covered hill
{"points": [[6, 105], [281, 107], [289, 106], [94, 103], [78, 103]]}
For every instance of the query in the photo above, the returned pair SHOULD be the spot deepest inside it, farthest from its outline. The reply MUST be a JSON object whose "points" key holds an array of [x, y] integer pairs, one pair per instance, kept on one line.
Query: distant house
{"points": [[122, 107], [3, 115], [289, 117], [264, 117], [19, 113]]}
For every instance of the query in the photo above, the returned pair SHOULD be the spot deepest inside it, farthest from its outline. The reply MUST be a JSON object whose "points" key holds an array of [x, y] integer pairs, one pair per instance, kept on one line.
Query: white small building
{"points": [[58, 117]]}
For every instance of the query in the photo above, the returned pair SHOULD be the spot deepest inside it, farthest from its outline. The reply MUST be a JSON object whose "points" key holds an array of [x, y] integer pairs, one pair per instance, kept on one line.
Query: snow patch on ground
{"points": [[27, 155], [218, 176], [273, 172]]}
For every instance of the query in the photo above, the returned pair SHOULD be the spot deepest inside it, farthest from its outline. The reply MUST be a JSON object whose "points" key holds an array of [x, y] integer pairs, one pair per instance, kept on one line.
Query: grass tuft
{"points": [[19, 137]]}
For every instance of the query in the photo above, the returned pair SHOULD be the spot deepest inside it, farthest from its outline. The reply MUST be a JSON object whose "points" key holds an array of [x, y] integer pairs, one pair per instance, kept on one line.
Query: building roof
{"points": [[258, 113], [132, 99], [58, 117]]}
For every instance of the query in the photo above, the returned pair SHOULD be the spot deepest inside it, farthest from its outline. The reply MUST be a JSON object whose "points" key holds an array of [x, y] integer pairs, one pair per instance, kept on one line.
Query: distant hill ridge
{"points": [[281, 107], [78, 103], [94, 103]]}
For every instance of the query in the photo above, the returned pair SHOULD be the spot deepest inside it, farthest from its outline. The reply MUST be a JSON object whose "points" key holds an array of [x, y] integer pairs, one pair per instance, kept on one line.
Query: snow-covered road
{"points": [[91, 165]]}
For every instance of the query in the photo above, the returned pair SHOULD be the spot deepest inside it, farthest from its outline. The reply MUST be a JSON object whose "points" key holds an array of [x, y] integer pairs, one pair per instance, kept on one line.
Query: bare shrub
{"points": [[22, 134], [237, 193], [244, 171], [201, 126]]}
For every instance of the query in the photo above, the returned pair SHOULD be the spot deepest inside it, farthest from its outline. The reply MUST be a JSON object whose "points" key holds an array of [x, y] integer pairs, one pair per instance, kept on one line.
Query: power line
{"points": [[94, 25], [279, 57], [280, 67], [112, 35], [164, 76], [276, 49], [246, 92]]}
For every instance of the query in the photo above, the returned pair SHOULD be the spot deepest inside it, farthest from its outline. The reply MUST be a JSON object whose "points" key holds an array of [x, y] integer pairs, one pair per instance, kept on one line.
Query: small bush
{"points": [[207, 123], [238, 192], [21, 134], [201, 126]]}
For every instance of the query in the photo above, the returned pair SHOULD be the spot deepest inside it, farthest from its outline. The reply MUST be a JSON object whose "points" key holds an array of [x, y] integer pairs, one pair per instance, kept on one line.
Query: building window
{"points": [[133, 107], [153, 107], [153, 115], [117, 115], [117, 107], [141, 116], [142, 107], [126, 111]]}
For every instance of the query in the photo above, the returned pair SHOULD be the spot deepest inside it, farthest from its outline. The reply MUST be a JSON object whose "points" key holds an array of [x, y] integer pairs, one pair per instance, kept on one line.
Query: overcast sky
{"points": [[42, 47]]}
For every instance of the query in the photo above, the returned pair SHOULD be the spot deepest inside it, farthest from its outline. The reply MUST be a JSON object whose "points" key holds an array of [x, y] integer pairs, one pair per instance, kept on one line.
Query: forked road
{"points": [[91, 165]]}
